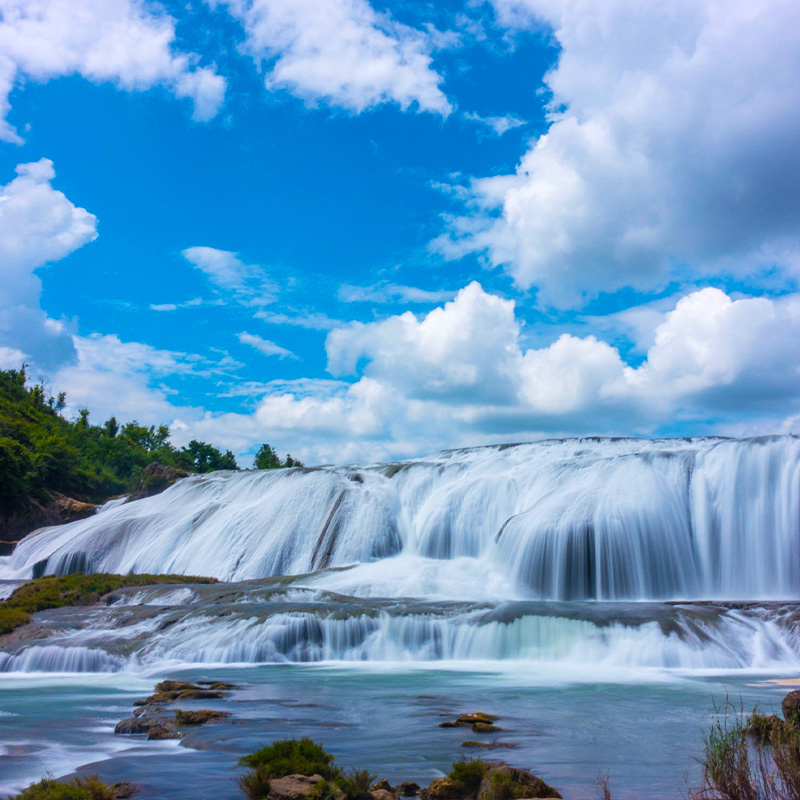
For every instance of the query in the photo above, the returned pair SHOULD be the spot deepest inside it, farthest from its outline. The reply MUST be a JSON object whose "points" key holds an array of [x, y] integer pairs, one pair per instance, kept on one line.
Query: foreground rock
{"points": [[298, 787], [505, 781], [478, 780]]}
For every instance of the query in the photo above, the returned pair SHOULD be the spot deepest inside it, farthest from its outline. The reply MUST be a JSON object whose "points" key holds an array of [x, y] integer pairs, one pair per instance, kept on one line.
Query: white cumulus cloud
{"points": [[342, 52], [38, 224], [672, 147], [130, 43]]}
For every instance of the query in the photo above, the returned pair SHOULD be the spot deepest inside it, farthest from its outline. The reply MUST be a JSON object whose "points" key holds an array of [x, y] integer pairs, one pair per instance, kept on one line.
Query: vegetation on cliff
{"points": [[42, 453], [73, 590]]}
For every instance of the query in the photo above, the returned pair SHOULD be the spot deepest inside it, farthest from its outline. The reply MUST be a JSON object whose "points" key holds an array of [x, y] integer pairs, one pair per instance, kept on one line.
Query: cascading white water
{"points": [[576, 519]]}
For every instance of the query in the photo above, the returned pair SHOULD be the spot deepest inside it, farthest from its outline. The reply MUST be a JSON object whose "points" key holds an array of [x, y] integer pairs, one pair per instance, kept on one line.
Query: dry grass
{"points": [[739, 766]]}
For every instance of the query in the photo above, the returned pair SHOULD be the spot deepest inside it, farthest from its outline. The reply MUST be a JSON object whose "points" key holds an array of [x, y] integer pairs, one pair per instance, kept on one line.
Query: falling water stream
{"points": [[582, 589]]}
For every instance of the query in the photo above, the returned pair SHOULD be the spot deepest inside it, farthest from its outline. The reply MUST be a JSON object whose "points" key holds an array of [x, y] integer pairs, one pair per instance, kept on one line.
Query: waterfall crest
{"points": [[563, 520]]}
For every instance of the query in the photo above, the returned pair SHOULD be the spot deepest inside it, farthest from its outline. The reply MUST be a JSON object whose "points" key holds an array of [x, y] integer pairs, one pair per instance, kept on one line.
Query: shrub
{"points": [[324, 790], [468, 773], [255, 784], [738, 766], [292, 757], [504, 787], [77, 789], [356, 784]]}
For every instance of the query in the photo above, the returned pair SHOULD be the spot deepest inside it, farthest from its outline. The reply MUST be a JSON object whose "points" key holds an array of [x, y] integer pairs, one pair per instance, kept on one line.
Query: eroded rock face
{"points": [[61, 509], [155, 479], [407, 789]]}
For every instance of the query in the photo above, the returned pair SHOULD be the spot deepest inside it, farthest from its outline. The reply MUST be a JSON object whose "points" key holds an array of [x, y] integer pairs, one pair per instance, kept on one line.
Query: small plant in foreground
{"points": [[468, 773], [738, 764], [77, 789], [356, 784], [292, 757]]}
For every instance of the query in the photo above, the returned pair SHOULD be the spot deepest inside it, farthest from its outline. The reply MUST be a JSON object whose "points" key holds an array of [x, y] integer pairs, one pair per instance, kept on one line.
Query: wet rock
{"points": [[407, 789], [477, 716], [133, 725], [174, 686], [163, 730], [471, 720], [124, 790], [170, 691], [218, 685], [485, 727], [200, 717], [488, 745], [791, 707]]}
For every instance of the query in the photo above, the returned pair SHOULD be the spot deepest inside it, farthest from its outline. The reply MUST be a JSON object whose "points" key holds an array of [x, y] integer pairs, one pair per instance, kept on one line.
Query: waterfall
{"points": [[602, 519]]}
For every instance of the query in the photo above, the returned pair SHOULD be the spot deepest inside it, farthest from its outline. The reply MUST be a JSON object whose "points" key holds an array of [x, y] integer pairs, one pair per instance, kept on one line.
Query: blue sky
{"points": [[365, 231]]}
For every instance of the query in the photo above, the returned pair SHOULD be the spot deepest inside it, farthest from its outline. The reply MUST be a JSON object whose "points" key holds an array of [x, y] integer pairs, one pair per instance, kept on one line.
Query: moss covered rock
{"points": [[199, 717], [485, 727]]}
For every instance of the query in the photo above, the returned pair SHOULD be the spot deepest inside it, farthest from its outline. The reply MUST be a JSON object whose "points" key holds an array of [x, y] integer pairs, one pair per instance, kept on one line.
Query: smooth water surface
{"points": [[645, 733]]}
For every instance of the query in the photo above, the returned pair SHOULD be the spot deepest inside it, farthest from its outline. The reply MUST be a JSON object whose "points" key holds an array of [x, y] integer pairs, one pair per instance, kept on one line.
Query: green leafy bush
{"points": [[324, 790], [292, 757], [77, 789], [468, 773], [356, 784]]}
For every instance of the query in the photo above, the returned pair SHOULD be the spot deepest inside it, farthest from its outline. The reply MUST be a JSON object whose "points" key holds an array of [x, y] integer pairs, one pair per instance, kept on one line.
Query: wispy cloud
{"points": [[313, 320], [497, 125], [391, 292], [265, 346], [248, 284]]}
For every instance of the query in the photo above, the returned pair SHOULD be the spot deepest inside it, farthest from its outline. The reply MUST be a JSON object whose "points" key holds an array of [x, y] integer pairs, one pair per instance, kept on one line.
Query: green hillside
{"points": [[42, 453]]}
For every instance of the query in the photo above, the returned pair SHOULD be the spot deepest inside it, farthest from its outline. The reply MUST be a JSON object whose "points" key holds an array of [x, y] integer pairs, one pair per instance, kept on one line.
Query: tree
{"points": [[267, 458], [110, 427], [202, 457]]}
